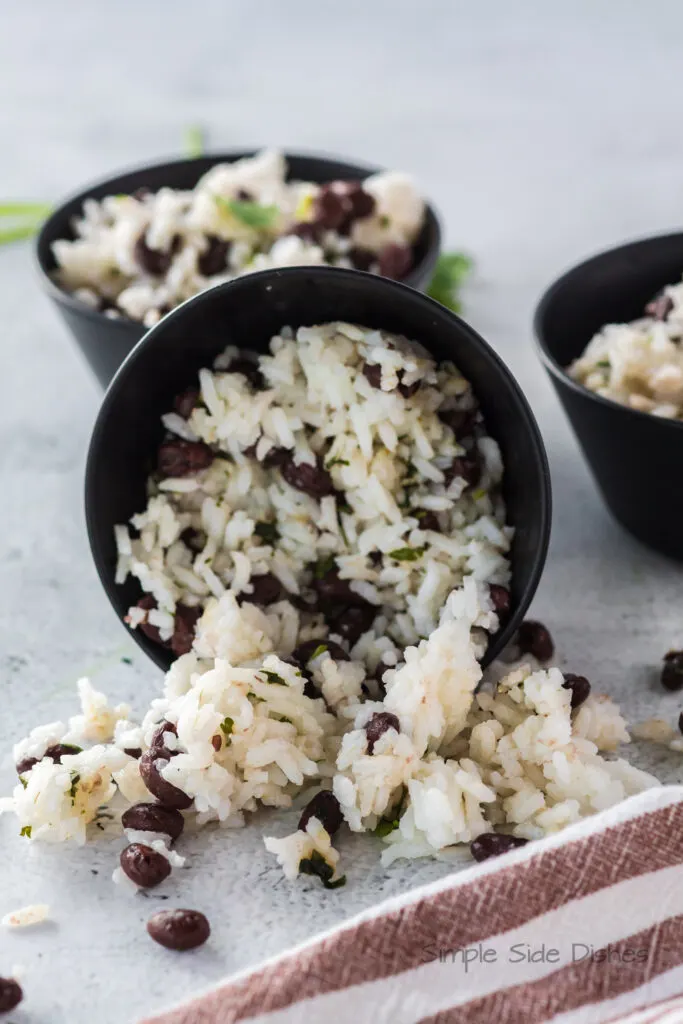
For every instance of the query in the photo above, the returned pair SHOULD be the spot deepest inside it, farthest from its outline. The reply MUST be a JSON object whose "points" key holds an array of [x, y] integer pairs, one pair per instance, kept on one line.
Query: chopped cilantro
{"points": [[479, 493], [318, 866], [323, 566], [227, 725], [604, 364], [267, 532], [273, 677], [320, 649], [254, 215], [75, 779], [337, 462], [20, 220], [385, 827], [127, 661], [384, 221], [407, 554], [452, 269], [26, 831], [23, 781]]}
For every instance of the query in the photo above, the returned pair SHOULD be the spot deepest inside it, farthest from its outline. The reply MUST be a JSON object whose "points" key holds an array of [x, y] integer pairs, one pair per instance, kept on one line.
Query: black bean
{"points": [[395, 261], [249, 370], [184, 623], [331, 209], [154, 818], [11, 994], [135, 752], [195, 539], [243, 196], [378, 725], [492, 844], [461, 421], [26, 764], [467, 467], [500, 599], [373, 374], [313, 480], [60, 750], [303, 653], [276, 457], [158, 743], [144, 866], [660, 307], [672, 670], [362, 203], [214, 259], [309, 231], [186, 402], [166, 792], [353, 622], [267, 589], [331, 588], [361, 259], [153, 261], [325, 807], [147, 603], [427, 520], [579, 686], [216, 742], [179, 929], [533, 638], [680, 722], [183, 458], [407, 390]]}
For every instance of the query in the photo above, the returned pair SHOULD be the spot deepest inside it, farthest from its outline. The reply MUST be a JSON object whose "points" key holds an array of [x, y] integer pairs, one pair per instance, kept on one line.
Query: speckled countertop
{"points": [[542, 135]]}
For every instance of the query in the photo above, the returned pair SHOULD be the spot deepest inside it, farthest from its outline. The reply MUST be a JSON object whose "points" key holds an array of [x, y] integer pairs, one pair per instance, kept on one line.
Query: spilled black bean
{"points": [[500, 599], [11, 994], [672, 671], [154, 818], [144, 866], [493, 844], [579, 686], [533, 638], [179, 929], [166, 792], [325, 807]]}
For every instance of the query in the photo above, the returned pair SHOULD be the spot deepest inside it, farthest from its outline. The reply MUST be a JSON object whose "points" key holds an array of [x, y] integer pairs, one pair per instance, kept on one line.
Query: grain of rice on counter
{"points": [[324, 549], [138, 256], [640, 364]]}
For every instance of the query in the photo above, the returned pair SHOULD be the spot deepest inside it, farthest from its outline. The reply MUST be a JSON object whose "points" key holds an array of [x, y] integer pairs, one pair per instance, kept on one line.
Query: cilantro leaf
{"points": [[20, 220], [407, 554], [320, 649], [452, 269], [318, 866], [273, 677], [323, 566], [384, 827], [337, 462], [227, 725], [254, 215], [26, 831]]}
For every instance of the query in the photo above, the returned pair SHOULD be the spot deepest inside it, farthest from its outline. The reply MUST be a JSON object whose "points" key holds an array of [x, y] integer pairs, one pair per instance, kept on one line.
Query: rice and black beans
{"points": [[138, 256], [325, 550]]}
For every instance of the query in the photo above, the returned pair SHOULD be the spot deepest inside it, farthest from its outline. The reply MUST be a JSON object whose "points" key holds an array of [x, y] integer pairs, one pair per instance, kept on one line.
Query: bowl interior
{"points": [[184, 174], [613, 287], [248, 312]]}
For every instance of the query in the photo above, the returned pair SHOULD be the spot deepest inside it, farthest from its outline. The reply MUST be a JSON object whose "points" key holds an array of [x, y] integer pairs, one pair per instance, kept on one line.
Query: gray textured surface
{"points": [[542, 135]]}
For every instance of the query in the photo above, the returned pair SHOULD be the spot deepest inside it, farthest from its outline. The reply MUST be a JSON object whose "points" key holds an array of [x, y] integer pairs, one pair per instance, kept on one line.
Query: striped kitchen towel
{"points": [[583, 927]]}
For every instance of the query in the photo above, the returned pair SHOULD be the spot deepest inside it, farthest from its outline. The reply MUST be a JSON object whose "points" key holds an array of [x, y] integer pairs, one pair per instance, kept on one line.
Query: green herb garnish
{"points": [[21, 220], [337, 462], [407, 554], [23, 781], [75, 779], [26, 831], [227, 725], [385, 827], [452, 269], [273, 677], [127, 661], [194, 141], [323, 566], [479, 493], [604, 364], [254, 215], [320, 649], [384, 221], [267, 532], [318, 866]]}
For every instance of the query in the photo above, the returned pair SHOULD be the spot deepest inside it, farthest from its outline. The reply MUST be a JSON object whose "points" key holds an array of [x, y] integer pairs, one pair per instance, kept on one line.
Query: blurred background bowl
{"points": [[635, 458], [247, 312], [105, 342]]}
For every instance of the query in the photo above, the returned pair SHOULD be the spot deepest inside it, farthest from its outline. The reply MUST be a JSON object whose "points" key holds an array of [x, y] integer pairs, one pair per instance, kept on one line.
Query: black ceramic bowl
{"points": [[247, 312], [104, 342], [635, 458]]}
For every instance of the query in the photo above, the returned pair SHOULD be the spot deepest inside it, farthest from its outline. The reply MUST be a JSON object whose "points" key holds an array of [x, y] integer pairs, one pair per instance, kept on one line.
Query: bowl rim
{"points": [[118, 383], [42, 241], [548, 296]]}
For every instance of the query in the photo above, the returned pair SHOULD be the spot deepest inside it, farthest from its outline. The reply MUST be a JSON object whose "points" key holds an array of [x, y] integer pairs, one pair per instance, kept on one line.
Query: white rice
{"points": [[102, 266], [640, 364], [249, 724], [26, 917]]}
